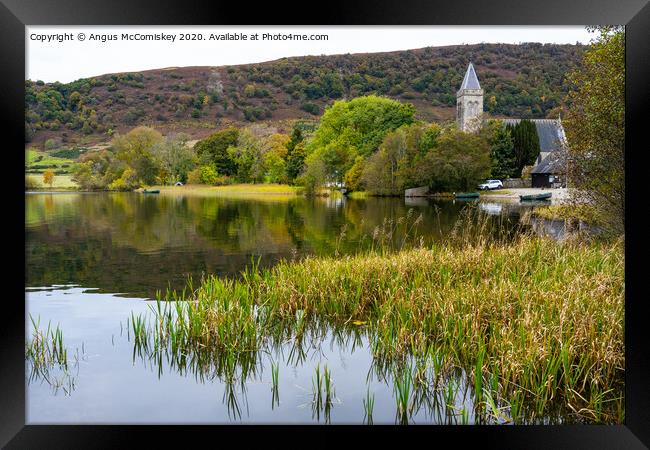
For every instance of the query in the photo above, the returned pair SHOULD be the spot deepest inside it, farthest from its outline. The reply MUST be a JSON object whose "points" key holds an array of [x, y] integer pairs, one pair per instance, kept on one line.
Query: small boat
{"points": [[467, 195], [533, 197], [151, 191]]}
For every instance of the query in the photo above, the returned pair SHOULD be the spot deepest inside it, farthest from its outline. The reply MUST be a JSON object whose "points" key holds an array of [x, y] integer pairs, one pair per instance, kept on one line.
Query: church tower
{"points": [[469, 102]]}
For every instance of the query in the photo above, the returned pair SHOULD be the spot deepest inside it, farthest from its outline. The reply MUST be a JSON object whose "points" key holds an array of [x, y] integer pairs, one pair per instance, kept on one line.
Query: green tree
{"points": [[208, 174], [275, 167], [353, 176], [248, 157], [458, 162], [418, 140], [595, 127], [135, 150], [127, 181], [526, 144], [296, 161], [175, 158], [314, 176], [96, 170], [502, 150], [295, 139], [380, 175], [214, 148], [356, 128]]}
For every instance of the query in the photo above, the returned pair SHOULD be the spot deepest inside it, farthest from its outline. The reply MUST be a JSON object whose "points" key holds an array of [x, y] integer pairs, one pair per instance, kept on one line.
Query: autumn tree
{"points": [[595, 127], [135, 151], [175, 159], [48, 177]]}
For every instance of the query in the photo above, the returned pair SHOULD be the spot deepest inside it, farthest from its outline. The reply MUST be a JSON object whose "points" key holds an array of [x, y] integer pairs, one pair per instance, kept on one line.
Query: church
{"points": [[550, 168]]}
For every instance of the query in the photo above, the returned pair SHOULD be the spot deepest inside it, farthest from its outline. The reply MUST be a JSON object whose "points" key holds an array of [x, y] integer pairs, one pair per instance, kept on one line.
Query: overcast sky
{"points": [[73, 59]]}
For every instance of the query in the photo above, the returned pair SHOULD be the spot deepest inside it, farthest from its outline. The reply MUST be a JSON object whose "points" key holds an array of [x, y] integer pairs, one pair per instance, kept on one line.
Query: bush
{"points": [[69, 153], [311, 108], [207, 174], [32, 183]]}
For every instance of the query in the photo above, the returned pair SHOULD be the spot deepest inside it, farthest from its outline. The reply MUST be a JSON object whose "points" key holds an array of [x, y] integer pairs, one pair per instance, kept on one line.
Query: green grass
{"points": [[37, 157], [368, 407], [264, 191], [61, 182], [496, 192], [403, 388], [38, 161], [581, 212], [358, 195], [536, 323]]}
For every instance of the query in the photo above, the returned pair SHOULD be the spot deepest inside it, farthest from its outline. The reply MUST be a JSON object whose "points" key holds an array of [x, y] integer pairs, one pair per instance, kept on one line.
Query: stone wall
{"points": [[417, 192], [516, 183]]}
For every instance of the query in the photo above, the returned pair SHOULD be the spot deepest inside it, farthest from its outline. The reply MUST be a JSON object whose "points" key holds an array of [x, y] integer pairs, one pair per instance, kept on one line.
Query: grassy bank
{"points": [[583, 213], [232, 190], [496, 192], [536, 326]]}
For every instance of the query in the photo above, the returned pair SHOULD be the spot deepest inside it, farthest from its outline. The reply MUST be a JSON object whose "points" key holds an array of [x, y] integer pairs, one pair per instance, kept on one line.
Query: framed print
{"points": [[415, 215]]}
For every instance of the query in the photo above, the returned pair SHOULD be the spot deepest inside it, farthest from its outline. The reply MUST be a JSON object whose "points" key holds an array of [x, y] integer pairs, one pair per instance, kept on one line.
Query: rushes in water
{"points": [[537, 322], [47, 357], [368, 407], [275, 400], [403, 386], [478, 374], [329, 390], [322, 392]]}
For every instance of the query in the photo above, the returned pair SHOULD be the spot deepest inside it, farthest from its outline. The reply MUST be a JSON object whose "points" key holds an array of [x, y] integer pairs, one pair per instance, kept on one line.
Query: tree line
{"points": [[369, 143]]}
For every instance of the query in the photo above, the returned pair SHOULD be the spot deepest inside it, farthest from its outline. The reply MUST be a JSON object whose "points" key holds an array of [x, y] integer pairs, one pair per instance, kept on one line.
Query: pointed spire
{"points": [[470, 81]]}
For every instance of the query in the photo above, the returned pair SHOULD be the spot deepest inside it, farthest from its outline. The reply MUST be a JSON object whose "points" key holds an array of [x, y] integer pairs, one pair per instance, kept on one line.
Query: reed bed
{"points": [[48, 360], [535, 326]]}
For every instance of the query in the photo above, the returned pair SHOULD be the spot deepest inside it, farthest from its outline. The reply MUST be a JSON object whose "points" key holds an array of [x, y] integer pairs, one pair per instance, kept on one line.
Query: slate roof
{"points": [[550, 132], [554, 163], [470, 81]]}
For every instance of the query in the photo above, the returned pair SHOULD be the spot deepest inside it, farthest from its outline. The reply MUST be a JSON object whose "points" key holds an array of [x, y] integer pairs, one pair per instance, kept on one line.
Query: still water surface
{"points": [[94, 259]]}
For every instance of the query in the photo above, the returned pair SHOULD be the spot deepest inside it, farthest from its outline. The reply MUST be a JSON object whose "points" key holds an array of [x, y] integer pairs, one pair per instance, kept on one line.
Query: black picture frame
{"points": [[635, 14]]}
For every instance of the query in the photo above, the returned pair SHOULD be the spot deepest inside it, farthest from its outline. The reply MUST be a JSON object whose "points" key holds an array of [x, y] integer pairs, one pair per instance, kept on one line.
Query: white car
{"points": [[491, 184]]}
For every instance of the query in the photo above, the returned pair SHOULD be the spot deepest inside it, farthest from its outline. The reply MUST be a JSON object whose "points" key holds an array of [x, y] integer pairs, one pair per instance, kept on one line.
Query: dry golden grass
{"points": [[543, 320]]}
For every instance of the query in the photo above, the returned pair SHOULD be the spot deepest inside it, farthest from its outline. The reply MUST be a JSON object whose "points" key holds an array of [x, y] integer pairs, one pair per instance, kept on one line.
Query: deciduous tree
{"points": [[595, 127]]}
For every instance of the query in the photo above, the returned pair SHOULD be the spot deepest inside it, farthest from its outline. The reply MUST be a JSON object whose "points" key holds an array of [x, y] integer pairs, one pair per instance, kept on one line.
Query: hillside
{"points": [[519, 81]]}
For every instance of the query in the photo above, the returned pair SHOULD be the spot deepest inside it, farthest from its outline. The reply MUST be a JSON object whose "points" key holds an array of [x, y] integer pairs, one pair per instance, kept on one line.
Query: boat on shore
{"points": [[151, 191], [535, 197]]}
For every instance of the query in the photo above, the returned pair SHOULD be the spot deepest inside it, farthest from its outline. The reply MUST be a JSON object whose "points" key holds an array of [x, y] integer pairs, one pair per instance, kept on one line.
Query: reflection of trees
{"points": [[134, 243]]}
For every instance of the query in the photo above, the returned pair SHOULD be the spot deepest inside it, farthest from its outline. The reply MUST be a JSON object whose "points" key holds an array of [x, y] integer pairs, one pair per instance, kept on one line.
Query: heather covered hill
{"points": [[519, 80]]}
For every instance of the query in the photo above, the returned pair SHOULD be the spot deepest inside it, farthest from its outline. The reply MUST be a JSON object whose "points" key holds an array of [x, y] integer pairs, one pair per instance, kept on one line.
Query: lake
{"points": [[93, 259]]}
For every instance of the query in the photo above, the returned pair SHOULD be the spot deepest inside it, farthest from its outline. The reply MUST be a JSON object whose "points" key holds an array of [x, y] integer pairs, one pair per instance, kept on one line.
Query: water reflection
{"points": [[135, 244], [130, 378]]}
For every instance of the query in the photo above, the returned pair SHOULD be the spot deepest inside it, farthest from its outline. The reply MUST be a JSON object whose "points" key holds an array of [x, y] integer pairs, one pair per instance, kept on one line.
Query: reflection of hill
{"points": [[130, 243]]}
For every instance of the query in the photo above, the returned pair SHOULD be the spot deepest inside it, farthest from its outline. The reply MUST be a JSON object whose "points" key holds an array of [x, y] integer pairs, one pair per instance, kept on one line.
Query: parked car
{"points": [[491, 184]]}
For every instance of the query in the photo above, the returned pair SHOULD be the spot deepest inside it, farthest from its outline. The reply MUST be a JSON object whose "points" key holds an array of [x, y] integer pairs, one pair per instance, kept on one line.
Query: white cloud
{"points": [[72, 59]]}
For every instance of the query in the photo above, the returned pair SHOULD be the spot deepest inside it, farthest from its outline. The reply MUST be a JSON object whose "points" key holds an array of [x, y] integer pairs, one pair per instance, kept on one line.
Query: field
{"points": [[231, 190], [37, 162], [61, 182]]}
